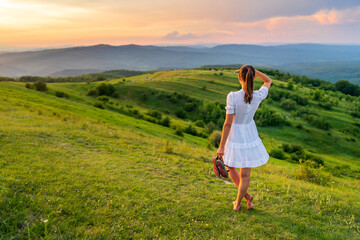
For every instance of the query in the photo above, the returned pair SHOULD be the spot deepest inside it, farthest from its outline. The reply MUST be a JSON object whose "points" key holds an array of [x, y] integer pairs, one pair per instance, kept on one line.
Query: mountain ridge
{"points": [[288, 57]]}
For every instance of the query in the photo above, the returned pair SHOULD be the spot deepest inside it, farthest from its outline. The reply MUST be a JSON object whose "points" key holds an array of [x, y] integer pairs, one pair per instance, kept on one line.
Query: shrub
{"points": [[355, 112], [277, 153], [173, 99], [204, 87], [165, 122], [135, 112], [61, 94], [40, 86], [103, 99], [352, 131], [288, 104], [189, 106], [303, 111], [199, 123], [105, 89], [99, 105], [326, 105], [168, 148], [179, 133], [190, 129], [318, 160], [102, 89], [277, 95], [300, 100], [310, 173], [92, 92], [318, 94], [28, 85], [319, 122], [267, 117], [154, 113], [144, 97], [295, 157], [290, 84], [215, 138], [290, 148], [210, 127], [180, 113]]}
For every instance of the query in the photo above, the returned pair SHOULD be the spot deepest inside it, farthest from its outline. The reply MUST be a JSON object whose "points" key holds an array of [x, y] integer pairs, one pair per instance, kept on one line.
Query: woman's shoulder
{"points": [[237, 92], [262, 88], [262, 92]]}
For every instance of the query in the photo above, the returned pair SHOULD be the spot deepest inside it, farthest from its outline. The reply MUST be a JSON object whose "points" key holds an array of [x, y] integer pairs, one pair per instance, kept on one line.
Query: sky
{"points": [[51, 23]]}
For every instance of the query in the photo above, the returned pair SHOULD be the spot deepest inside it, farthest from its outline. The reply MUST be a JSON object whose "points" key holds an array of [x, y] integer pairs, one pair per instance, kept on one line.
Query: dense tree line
{"points": [[90, 77], [3, 79], [343, 86]]}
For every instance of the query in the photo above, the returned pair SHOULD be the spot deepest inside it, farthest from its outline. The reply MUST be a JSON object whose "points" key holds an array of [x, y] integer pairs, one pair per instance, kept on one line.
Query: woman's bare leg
{"points": [[243, 186], [235, 177]]}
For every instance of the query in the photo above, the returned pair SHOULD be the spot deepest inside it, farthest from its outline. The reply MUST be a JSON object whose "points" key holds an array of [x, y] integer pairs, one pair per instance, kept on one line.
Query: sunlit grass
{"points": [[70, 170]]}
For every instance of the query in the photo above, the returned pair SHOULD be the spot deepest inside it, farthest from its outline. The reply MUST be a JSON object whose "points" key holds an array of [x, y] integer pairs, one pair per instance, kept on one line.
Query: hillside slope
{"points": [[72, 170]]}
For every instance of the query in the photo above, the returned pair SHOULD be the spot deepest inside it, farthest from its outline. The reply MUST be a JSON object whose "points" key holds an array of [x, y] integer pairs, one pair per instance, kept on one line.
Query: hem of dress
{"points": [[251, 164]]}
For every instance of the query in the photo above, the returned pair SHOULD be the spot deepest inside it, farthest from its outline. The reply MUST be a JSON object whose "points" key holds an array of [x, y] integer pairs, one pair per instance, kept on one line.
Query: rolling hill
{"points": [[130, 158]]}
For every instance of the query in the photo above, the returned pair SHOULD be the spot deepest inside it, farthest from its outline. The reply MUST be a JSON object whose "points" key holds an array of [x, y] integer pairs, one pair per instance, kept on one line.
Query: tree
{"points": [[318, 94], [290, 84], [347, 88], [40, 86], [210, 127]]}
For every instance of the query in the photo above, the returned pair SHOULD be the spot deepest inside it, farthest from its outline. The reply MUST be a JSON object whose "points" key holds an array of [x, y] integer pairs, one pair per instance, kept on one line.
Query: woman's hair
{"points": [[247, 74]]}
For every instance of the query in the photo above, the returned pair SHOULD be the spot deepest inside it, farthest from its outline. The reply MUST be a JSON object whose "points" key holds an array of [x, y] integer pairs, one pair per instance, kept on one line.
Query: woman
{"points": [[240, 143]]}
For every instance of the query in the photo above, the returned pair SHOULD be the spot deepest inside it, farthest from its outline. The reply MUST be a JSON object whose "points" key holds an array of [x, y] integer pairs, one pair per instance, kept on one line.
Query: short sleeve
{"points": [[263, 92], [230, 108]]}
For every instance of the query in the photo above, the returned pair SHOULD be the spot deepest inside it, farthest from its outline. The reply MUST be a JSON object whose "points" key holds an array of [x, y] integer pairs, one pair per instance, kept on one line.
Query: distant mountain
{"points": [[331, 71], [295, 58]]}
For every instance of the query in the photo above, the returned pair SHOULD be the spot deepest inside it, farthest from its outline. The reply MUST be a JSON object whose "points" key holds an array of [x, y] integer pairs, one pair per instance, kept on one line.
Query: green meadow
{"points": [[135, 161]]}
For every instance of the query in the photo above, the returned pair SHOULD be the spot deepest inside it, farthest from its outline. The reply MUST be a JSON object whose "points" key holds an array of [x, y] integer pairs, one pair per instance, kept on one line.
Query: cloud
{"points": [[175, 35], [301, 22], [334, 16], [17, 16]]}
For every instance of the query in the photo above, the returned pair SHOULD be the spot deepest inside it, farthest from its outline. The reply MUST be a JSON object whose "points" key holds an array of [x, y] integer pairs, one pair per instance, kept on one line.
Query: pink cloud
{"points": [[175, 35], [333, 16]]}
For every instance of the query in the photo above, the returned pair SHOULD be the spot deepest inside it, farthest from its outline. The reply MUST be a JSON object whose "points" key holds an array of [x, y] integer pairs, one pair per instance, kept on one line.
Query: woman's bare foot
{"points": [[250, 205], [249, 199], [236, 207]]}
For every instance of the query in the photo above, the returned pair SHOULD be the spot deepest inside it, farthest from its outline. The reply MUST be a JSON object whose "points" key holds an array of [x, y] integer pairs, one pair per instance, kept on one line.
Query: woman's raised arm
{"points": [[267, 81]]}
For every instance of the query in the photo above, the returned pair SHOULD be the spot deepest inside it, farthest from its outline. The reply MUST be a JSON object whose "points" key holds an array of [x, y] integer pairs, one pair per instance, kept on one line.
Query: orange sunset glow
{"points": [[40, 23]]}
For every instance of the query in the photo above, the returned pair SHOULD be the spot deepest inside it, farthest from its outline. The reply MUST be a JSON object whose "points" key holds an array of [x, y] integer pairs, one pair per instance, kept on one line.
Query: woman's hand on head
{"points": [[220, 152]]}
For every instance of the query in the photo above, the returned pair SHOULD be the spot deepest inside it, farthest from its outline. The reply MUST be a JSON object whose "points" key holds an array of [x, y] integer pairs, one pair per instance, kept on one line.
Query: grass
{"points": [[70, 170]]}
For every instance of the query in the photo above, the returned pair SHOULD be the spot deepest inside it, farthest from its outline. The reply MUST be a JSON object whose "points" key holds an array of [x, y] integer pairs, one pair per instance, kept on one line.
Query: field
{"points": [[107, 167]]}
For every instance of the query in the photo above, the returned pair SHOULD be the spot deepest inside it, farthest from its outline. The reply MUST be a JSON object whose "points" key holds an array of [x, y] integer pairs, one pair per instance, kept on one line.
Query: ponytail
{"points": [[247, 73]]}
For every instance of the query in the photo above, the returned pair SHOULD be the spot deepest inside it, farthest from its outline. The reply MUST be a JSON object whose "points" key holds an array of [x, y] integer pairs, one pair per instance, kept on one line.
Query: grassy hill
{"points": [[74, 165]]}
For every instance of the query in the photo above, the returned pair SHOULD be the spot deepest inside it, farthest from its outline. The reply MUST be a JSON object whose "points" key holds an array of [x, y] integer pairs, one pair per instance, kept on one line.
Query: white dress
{"points": [[244, 148]]}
